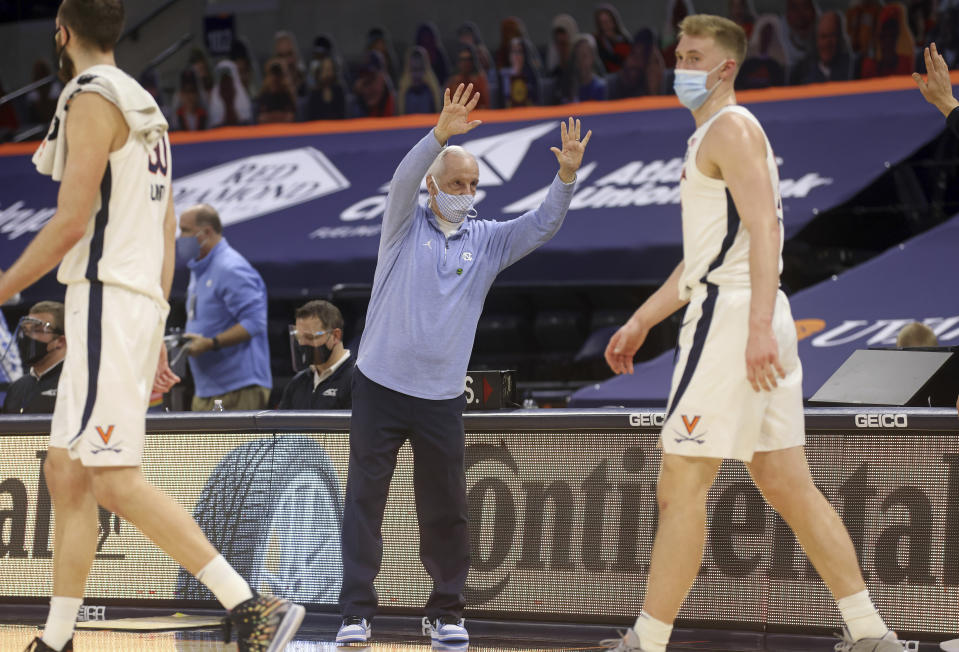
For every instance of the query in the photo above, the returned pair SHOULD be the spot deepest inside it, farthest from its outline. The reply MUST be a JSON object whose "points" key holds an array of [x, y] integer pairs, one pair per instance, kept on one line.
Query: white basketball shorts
{"points": [[113, 344], [713, 410]]}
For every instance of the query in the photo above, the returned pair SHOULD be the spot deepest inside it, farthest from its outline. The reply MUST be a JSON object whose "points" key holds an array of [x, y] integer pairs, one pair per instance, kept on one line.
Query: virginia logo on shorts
{"points": [[690, 425], [105, 436]]}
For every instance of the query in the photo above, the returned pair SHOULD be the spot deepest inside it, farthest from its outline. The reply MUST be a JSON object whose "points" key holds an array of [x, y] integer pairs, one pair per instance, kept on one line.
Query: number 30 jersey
{"points": [[123, 242]]}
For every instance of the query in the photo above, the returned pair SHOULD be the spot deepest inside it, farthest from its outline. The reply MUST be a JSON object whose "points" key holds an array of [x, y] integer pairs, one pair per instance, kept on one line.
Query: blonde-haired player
{"points": [[737, 386]]}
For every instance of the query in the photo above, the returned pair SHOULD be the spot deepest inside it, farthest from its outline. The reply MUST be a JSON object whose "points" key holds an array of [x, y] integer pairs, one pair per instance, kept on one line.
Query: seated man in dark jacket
{"points": [[42, 349], [325, 368]]}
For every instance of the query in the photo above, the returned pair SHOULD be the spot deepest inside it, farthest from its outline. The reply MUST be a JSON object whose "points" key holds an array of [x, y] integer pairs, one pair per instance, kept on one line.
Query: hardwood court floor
{"points": [[317, 636]]}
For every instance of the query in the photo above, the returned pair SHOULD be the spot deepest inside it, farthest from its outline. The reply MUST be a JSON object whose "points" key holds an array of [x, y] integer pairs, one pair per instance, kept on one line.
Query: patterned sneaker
{"points": [[354, 629], [888, 643], [628, 642], [37, 645], [264, 623], [446, 629]]}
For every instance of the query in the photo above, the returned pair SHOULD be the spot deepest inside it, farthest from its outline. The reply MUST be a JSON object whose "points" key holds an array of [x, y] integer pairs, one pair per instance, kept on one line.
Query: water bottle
{"points": [[217, 405]]}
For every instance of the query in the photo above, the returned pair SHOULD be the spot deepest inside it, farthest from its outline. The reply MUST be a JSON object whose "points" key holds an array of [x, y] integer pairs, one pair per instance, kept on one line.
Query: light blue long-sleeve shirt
{"points": [[428, 291], [225, 290]]}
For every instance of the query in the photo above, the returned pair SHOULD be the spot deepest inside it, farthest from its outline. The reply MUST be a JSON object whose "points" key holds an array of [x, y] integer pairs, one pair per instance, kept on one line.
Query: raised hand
{"points": [[571, 156], [454, 118], [937, 88]]}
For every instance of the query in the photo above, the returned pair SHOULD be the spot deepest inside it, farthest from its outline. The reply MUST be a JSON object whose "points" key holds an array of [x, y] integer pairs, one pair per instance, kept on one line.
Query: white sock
{"points": [[861, 617], [61, 620], [224, 582], [653, 634]]}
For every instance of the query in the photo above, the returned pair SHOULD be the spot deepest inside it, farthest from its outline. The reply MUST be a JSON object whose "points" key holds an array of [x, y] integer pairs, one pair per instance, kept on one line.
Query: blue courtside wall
{"points": [[308, 205]]}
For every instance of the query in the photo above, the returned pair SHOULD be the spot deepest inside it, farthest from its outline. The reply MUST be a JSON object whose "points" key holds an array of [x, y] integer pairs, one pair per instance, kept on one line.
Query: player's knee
{"points": [[786, 497], [672, 496], [64, 478], [108, 493]]}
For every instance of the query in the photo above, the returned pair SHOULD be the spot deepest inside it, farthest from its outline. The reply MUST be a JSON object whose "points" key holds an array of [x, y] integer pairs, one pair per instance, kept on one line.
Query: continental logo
{"points": [[882, 421]]}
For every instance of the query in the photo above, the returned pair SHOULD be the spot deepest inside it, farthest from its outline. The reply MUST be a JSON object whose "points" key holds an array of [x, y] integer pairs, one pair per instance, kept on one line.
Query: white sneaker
{"points": [[628, 642], [354, 629], [446, 629], [888, 643]]}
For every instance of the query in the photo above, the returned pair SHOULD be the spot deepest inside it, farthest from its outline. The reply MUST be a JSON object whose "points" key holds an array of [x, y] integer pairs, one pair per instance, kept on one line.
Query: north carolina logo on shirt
{"points": [[428, 244], [330, 392], [467, 256]]}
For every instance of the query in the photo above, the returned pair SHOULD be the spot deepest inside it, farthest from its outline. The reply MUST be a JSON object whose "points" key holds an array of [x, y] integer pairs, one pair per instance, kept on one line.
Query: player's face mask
{"points": [[305, 354], [453, 208], [67, 70], [188, 247], [690, 86], [32, 341]]}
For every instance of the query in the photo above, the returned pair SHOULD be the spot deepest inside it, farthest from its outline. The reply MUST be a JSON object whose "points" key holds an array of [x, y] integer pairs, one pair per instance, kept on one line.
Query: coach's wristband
{"points": [[216, 343]]}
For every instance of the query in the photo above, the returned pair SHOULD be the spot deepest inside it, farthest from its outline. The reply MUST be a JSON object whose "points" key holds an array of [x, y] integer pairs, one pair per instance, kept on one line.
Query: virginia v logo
{"points": [[690, 424]]}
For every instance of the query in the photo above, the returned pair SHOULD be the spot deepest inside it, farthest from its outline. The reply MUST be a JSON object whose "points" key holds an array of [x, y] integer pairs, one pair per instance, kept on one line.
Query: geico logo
{"points": [[882, 421], [91, 612], [648, 419]]}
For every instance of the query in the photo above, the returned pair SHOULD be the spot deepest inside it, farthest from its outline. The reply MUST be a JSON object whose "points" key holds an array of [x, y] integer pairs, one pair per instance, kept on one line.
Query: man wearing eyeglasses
{"points": [[324, 367], [42, 347]]}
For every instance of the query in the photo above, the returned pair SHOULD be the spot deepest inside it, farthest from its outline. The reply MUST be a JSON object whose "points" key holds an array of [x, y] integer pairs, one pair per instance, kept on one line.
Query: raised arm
{"points": [[937, 89], [517, 238], [626, 341], [737, 147], [405, 185]]}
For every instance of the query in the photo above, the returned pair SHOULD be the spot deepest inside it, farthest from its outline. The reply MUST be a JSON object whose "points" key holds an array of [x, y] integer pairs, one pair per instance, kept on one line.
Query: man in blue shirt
{"points": [[226, 317], [433, 271]]}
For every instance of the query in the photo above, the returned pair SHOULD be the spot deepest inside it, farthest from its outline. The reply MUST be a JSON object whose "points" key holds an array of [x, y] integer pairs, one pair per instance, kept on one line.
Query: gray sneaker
{"points": [[888, 643], [628, 642]]}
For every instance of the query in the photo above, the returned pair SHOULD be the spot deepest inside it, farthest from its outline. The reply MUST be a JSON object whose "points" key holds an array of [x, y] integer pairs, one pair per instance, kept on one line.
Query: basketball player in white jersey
{"points": [[737, 386], [114, 233]]}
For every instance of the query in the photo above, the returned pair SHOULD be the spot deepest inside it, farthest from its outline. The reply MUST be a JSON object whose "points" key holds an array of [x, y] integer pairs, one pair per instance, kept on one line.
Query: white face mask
{"points": [[454, 208], [690, 86]]}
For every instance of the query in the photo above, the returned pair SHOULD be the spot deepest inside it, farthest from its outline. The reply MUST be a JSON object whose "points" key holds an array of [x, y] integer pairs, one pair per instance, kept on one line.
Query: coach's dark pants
{"points": [[382, 420]]}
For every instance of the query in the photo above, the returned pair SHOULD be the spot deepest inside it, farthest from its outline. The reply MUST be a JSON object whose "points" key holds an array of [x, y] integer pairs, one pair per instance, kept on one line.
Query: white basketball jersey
{"points": [[123, 243], [715, 243]]}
